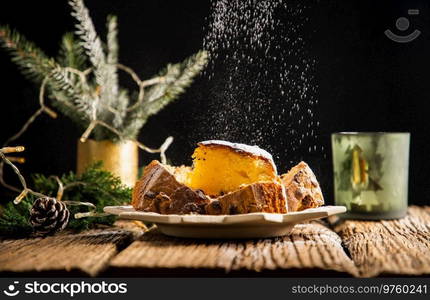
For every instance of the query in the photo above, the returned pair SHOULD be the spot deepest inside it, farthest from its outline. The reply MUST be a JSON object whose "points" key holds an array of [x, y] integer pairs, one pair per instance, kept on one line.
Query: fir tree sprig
{"points": [[71, 53], [176, 78], [36, 66], [112, 40], [90, 40], [14, 218], [31, 60], [83, 82], [94, 185]]}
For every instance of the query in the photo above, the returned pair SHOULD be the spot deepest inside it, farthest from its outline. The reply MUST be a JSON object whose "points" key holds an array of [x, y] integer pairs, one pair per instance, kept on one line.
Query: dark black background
{"points": [[365, 81]]}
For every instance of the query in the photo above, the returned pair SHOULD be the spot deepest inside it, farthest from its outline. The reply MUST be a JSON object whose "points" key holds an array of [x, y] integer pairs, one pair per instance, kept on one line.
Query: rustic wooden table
{"points": [[320, 248]]}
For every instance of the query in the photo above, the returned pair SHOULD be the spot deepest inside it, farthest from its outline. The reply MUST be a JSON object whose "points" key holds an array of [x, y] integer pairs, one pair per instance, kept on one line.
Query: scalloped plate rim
{"points": [[128, 212]]}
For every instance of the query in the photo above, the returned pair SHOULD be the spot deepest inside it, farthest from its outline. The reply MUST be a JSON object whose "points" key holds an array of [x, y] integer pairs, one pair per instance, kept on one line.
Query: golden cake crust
{"points": [[302, 187], [257, 197], [159, 191]]}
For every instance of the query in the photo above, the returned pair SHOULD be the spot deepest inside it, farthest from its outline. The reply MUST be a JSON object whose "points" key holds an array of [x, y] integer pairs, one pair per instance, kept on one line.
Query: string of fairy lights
{"points": [[43, 108]]}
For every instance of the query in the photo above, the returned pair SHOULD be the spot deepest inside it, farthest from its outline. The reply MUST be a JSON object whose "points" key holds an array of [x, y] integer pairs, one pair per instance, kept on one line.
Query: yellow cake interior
{"points": [[219, 169], [181, 173]]}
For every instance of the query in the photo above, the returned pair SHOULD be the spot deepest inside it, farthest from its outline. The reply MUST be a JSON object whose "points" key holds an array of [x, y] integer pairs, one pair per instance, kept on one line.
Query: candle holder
{"points": [[120, 158], [371, 174]]}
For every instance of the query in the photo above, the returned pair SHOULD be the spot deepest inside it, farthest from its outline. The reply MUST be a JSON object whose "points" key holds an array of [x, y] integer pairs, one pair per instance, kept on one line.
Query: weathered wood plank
{"points": [[389, 247], [88, 252], [309, 246]]}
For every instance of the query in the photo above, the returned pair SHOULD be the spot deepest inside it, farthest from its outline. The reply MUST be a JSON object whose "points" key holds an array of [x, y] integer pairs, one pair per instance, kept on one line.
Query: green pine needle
{"points": [[177, 78], [31, 60], [112, 40], [14, 218], [36, 66], [84, 49], [71, 53], [97, 186]]}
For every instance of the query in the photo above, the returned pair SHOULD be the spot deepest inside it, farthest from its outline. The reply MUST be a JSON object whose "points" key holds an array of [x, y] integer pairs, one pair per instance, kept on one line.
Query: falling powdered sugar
{"points": [[261, 82]]}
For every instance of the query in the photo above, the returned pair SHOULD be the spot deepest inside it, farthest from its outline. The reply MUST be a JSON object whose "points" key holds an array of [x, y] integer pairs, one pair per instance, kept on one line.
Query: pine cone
{"points": [[48, 216]]}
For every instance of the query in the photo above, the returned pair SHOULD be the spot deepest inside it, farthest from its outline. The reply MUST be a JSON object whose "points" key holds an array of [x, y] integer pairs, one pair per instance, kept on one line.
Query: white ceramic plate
{"points": [[253, 225]]}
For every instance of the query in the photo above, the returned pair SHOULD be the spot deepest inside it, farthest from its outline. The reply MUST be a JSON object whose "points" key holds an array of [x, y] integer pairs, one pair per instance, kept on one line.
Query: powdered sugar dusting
{"points": [[253, 150], [261, 83]]}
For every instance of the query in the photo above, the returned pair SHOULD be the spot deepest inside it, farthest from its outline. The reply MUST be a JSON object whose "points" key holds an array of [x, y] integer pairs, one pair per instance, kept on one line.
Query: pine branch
{"points": [[61, 102], [69, 95], [14, 218], [60, 81], [36, 66], [122, 100], [112, 40], [90, 40], [106, 74], [95, 186], [176, 78], [89, 103], [71, 53], [32, 62]]}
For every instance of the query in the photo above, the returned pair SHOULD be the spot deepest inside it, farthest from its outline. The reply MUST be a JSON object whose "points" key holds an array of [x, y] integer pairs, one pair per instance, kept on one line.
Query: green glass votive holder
{"points": [[371, 174]]}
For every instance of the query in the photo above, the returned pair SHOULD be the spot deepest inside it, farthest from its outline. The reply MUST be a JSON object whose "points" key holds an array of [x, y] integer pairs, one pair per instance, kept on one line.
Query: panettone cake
{"points": [[226, 178]]}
